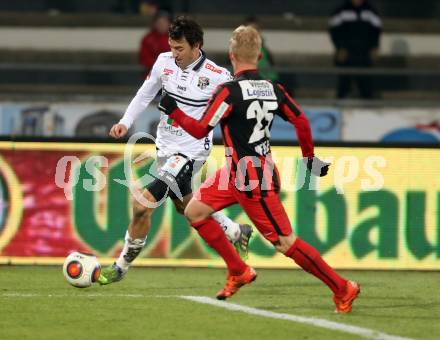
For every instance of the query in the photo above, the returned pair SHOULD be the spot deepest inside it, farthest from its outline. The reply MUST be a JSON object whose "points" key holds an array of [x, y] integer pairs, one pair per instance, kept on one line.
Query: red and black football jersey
{"points": [[245, 109]]}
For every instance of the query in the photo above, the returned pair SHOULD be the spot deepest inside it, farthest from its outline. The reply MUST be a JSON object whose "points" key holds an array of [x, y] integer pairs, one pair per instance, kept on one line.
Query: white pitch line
{"points": [[365, 332], [360, 331]]}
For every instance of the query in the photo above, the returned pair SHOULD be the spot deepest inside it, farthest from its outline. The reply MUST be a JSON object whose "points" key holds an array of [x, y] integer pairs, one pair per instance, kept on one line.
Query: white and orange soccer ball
{"points": [[81, 270]]}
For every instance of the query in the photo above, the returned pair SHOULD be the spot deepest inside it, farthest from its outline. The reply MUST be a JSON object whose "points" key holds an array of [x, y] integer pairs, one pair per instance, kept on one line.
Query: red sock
{"points": [[214, 236], [309, 259]]}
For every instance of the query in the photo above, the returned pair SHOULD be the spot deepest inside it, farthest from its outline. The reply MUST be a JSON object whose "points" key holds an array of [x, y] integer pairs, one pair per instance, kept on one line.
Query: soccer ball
{"points": [[81, 270]]}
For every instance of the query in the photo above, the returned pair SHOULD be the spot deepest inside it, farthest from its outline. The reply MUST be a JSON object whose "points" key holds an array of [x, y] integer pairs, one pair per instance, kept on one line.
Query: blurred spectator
{"points": [[355, 28], [156, 41], [266, 63]]}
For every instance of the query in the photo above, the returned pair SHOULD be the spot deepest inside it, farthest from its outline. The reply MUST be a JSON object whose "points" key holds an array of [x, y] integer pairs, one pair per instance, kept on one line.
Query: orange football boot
{"points": [[234, 283], [344, 303]]}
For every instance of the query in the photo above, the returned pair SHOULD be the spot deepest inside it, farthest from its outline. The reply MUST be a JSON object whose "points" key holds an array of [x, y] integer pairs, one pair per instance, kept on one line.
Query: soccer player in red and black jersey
{"points": [[245, 108]]}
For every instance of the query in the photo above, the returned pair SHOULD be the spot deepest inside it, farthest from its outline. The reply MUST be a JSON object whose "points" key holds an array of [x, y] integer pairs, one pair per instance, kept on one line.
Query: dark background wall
{"points": [[388, 8]]}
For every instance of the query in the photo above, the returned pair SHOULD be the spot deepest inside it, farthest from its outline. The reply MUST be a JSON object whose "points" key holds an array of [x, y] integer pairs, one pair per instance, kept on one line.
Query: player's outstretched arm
{"points": [[196, 128]]}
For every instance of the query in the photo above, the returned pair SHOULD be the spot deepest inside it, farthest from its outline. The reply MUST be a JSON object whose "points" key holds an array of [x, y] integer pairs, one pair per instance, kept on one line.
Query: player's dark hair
{"points": [[185, 27]]}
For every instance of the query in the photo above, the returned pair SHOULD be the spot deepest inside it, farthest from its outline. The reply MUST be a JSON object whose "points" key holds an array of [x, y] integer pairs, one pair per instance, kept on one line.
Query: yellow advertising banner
{"points": [[378, 208]]}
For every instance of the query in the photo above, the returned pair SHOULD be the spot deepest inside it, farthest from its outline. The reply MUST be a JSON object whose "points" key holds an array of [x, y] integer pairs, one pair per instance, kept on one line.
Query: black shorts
{"points": [[174, 174]]}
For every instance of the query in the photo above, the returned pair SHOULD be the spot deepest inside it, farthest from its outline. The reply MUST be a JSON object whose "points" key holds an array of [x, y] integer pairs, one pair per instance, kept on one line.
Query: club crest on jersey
{"points": [[203, 82]]}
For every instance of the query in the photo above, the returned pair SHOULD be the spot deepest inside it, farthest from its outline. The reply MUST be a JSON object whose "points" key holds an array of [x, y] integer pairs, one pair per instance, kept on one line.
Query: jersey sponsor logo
{"points": [[174, 130], [207, 144], [257, 89], [203, 82], [218, 114], [167, 71], [213, 68]]}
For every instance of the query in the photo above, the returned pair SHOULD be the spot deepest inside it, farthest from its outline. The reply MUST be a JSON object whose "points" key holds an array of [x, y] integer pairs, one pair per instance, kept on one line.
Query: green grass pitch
{"points": [[37, 303]]}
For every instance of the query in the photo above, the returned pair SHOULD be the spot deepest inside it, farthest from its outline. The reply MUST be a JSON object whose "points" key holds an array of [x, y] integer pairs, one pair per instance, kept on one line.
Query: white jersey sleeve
{"points": [[144, 95]]}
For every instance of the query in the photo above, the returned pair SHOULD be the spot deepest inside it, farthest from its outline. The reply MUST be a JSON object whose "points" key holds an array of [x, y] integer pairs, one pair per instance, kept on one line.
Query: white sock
{"points": [[131, 250], [232, 229]]}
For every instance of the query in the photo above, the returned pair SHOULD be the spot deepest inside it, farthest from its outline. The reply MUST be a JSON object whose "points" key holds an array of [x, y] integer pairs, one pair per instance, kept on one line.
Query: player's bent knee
{"points": [[195, 211], [139, 210], [191, 214], [143, 206]]}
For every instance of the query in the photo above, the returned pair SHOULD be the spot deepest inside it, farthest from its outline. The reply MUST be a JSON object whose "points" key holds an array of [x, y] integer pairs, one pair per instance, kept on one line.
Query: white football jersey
{"points": [[192, 89]]}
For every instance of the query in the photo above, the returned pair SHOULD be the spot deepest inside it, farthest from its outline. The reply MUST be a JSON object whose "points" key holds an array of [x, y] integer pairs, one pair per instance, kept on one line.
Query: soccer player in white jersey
{"points": [[190, 78]]}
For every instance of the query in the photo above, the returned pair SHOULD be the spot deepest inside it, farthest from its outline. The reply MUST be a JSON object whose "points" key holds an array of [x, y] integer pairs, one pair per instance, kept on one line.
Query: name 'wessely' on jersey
{"points": [[192, 89]]}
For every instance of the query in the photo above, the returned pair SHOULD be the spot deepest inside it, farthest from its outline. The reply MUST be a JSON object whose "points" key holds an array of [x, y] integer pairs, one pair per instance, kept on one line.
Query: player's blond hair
{"points": [[245, 44]]}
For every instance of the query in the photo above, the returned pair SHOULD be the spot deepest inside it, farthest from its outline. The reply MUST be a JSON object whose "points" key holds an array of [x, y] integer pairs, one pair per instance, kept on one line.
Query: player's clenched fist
{"points": [[118, 131]]}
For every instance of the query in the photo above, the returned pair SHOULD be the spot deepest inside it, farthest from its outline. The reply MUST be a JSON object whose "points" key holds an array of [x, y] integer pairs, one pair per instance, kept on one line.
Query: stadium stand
{"points": [[85, 52], [404, 70]]}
